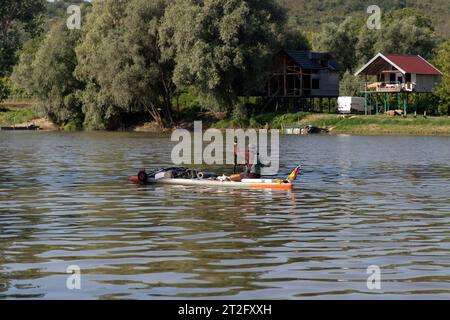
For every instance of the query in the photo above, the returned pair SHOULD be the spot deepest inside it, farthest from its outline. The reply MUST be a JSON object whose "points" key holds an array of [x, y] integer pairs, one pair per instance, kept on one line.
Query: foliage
{"points": [[14, 116], [350, 86], [48, 73], [4, 90], [340, 41], [119, 60], [22, 72], [221, 47], [381, 124], [266, 120], [311, 15], [240, 114], [293, 38], [19, 19], [442, 91], [352, 44], [406, 36], [136, 57]]}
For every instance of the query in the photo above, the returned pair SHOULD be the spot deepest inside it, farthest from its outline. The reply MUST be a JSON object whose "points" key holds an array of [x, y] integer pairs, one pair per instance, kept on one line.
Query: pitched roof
{"points": [[306, 59], [403, 63], [413, 64]]}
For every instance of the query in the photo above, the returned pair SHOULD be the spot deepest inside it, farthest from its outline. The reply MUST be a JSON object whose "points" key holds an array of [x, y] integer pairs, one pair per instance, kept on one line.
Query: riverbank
{"points": [[23, 113], [349, 124]]}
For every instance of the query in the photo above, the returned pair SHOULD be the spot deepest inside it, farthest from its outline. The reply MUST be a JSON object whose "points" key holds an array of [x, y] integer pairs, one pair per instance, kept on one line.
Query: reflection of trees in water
{"points": [[12, 253]]}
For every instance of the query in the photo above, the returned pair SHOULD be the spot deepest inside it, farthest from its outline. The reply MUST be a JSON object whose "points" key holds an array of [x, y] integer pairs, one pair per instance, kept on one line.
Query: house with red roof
{"points": [[400, 73]]}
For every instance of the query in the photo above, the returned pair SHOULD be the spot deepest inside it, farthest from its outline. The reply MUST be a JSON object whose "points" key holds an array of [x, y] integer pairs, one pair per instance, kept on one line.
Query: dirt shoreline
{"points": [[43, 124]]}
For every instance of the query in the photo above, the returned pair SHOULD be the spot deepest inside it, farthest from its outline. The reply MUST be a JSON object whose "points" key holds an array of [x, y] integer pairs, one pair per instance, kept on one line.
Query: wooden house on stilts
{"points": [[302, 78], [398, 81]]}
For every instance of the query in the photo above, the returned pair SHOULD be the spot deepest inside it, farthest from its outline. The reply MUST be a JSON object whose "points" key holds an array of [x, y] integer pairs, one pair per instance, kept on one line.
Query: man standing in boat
{"points": [[252, 169]]}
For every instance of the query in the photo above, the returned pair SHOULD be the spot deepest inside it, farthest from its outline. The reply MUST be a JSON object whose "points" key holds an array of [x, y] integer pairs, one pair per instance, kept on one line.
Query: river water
{"points": [[65, 200]]}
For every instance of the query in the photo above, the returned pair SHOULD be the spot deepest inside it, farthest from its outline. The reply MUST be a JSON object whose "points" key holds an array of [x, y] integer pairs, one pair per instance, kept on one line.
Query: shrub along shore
{"points": [[349, 124], [138, 60], [22, 112]]}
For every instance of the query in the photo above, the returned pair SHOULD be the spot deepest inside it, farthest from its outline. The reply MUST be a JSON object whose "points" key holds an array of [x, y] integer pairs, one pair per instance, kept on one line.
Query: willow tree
{"points": [[45, 70], [221, 48], [119, 60]]}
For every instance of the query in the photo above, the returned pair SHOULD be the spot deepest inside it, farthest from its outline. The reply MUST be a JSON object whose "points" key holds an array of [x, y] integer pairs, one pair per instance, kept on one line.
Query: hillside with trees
{"points": [[311, 15]]}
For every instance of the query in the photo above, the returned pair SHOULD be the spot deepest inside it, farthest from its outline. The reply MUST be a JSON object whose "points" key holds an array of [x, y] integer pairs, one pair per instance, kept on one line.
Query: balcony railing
{"points": [[394, 86]]}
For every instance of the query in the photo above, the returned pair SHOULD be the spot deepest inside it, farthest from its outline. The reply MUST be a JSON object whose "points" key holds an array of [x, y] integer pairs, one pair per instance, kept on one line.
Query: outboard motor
{"points": [[143, 176]]}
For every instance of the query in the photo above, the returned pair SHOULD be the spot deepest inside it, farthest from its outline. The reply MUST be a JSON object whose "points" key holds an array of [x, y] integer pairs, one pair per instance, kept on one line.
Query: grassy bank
{"points": [[14, 112], [20, 112], [338, 124]]}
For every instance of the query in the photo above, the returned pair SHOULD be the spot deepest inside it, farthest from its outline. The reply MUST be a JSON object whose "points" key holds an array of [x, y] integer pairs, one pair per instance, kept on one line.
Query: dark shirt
{"points": [[256, 167]]}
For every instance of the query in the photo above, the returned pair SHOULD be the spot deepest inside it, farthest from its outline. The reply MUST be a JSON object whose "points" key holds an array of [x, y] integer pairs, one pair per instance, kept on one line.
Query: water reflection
{"points": [[65, 200]]}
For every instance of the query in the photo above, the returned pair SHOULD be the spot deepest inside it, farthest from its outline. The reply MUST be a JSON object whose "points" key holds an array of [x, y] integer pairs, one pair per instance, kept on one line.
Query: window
{"points": [[315, 83], [392, 77], [408, 77]]}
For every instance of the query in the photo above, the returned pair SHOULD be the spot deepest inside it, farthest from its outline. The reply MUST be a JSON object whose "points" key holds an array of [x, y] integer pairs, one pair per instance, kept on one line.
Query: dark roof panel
{"points": [[305, 59]]}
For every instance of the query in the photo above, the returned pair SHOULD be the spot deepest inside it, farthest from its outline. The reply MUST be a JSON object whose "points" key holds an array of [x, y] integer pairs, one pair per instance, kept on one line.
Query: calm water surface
{"points": [[65, 200]]}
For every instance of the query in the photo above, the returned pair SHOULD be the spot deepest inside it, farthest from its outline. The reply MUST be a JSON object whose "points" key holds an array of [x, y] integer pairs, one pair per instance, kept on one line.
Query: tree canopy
{"points": [[351, 43], [119, 61], [46, 70], [221, 47], [442, 61], [134, 57], [18, 21]]}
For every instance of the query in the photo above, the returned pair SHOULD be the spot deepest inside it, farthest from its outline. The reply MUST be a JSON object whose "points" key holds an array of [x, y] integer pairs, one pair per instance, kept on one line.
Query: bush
{"points": [[240, 115], [4, 90]]}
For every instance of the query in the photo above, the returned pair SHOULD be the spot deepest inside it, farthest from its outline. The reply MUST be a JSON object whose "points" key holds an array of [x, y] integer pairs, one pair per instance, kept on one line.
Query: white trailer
{"points": [[350, 104]]}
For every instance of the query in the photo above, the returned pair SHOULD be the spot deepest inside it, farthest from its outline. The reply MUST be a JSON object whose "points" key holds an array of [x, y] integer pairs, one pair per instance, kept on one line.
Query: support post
{"points": [[388, 102], [416, 103], [365, 103], [376, 111], [405, 103], [385, 102]]}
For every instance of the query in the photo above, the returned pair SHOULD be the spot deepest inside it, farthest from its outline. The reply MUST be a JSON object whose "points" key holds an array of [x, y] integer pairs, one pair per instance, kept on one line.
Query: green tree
{"points": [[404, 31], [340, 40], [119, 60], [18, 20], [222, 48], [46, 71], [4, 91], [23, 70], [350, 85], [406, 36], [442, 91], [294, 39]]}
